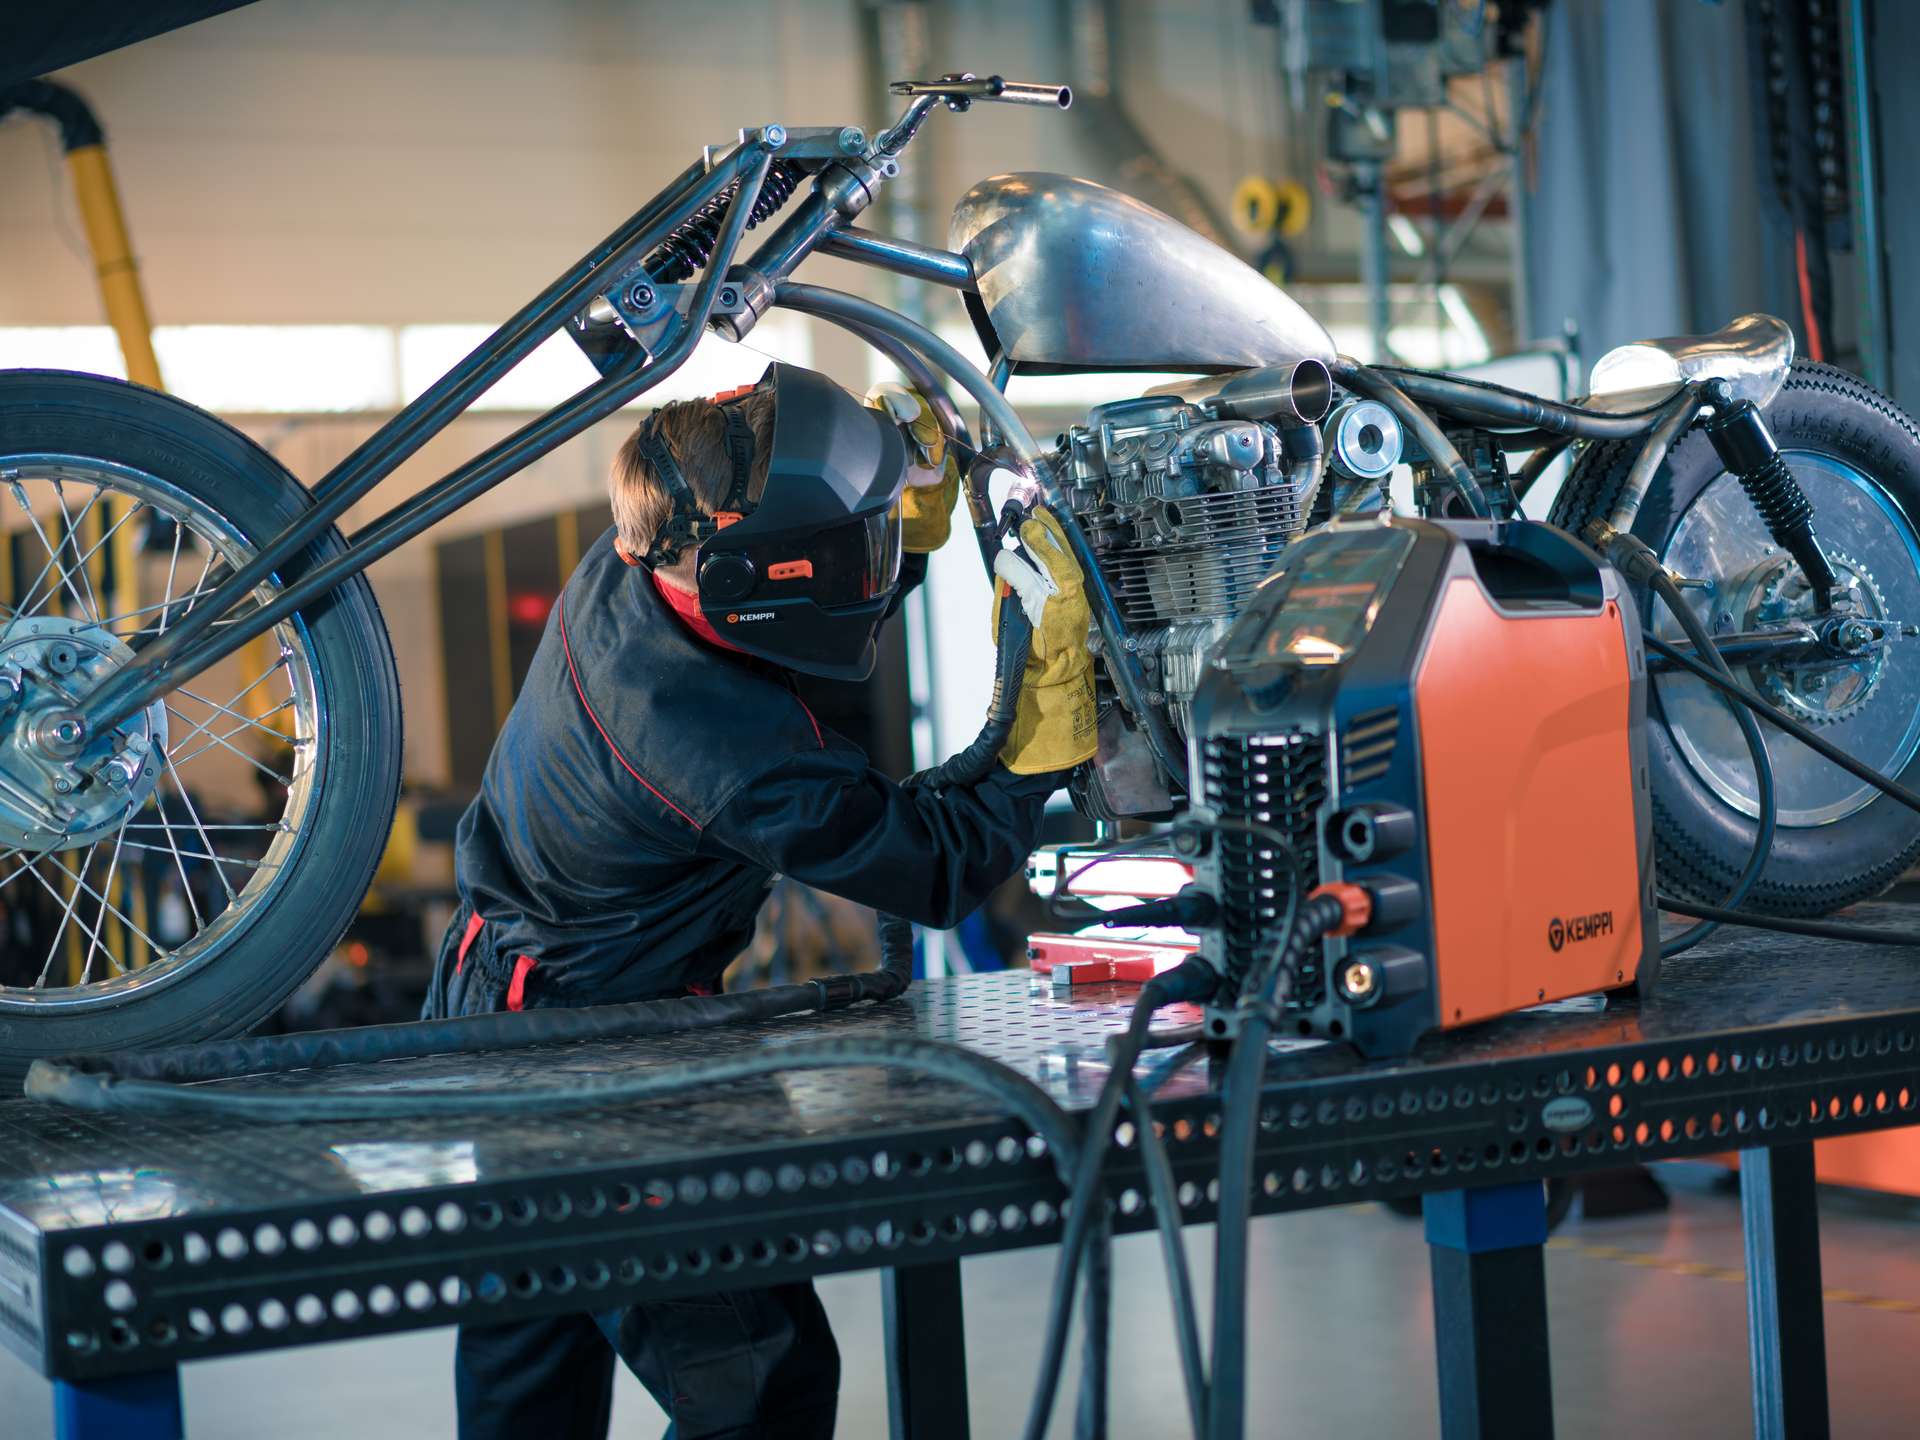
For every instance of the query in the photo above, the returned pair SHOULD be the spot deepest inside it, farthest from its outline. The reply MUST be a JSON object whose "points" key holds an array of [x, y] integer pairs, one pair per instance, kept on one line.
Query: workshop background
{"points": [[330, 204]]}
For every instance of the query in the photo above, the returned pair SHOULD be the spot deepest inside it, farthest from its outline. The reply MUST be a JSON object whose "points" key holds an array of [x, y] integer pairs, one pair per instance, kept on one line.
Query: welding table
{"points": [[129, 1246]]}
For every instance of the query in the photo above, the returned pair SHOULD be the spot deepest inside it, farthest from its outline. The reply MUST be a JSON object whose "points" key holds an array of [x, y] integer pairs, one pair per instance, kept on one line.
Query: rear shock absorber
{"points": [[691, 244], [1747, 448]]}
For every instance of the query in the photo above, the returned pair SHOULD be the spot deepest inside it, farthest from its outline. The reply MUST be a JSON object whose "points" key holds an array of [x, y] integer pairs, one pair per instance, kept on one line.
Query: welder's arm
{"points": [[829, 820]]}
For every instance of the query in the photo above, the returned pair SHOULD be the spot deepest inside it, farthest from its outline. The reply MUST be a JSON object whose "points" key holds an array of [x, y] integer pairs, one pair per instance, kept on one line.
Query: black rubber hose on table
{"points": [[1240, 1124], [1193, 979], [1766, 799]]}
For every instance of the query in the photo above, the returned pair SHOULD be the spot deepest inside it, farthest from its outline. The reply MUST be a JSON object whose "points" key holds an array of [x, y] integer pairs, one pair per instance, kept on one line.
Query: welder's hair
{"points": [[695, 434]]}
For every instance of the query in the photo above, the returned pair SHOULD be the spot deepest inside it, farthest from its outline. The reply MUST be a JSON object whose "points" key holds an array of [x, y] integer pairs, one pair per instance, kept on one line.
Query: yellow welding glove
{"points": [[933, 471], [1054, 727]]}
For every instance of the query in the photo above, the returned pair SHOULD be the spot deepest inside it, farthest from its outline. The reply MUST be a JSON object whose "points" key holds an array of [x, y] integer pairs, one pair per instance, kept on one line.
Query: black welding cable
{"points": [[1766, 801], [1887, 786], [1818, 929], [86, 1090], [1090, 1421], [472, 1034], [1240, 1107], [1193, 979], [1173, 1253]]}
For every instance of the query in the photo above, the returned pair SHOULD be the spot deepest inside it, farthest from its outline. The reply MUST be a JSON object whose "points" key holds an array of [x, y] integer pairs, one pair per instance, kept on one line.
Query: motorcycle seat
{"points": [[1752, 353]]}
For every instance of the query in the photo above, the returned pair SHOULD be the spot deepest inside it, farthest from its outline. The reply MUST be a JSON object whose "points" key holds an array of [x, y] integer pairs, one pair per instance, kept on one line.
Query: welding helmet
{"points": [[804, 575]]}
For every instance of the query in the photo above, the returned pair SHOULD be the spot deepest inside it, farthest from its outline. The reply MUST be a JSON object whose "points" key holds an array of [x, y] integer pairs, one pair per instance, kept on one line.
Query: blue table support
{"points": [[1786, 1329], [127, 1407], [1490, 1311]]}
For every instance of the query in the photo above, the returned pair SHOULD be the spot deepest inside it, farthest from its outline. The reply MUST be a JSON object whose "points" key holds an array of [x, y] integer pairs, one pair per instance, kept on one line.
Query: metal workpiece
{"points": [[902, 257], [130, 1244], [1074, 276]]}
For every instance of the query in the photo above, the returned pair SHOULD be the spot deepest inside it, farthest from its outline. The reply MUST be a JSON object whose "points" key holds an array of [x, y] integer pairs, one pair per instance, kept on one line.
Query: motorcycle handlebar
{"points": [[967, 88]]}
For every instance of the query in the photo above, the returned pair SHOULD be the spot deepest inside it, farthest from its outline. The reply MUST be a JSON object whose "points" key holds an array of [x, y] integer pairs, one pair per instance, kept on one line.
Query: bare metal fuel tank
{"points": [[1450, 715], [1074, 276]]}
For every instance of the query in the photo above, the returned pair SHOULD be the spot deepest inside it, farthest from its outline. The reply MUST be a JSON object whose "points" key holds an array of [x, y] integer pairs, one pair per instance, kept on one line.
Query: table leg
{"points": [[926, 1352], [1490, 1311], [1786, 1331], [126, 1407]]}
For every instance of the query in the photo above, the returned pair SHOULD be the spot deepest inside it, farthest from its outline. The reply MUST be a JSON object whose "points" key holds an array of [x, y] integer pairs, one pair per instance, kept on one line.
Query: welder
{"points": [[659, 769]]}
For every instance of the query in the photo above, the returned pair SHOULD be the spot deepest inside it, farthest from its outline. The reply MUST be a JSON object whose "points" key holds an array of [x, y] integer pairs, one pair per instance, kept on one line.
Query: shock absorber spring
{"points": [[691, 244], [1746, 447]]}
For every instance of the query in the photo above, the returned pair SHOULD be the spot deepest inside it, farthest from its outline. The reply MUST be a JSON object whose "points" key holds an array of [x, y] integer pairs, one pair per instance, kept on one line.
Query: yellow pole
{"points": [[118, 274], [113, 262]]}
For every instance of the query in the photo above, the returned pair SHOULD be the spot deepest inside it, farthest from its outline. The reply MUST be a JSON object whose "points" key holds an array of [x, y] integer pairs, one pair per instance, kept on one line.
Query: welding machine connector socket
{"points": [[1367, 833]]}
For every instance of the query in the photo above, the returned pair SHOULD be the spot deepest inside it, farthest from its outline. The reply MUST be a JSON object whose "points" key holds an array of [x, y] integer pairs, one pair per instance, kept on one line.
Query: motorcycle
{"points": [[265, 641]]}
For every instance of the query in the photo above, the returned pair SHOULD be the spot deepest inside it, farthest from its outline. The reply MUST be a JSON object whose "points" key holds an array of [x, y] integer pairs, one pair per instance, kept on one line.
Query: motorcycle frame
{"points": [[733, 177]]}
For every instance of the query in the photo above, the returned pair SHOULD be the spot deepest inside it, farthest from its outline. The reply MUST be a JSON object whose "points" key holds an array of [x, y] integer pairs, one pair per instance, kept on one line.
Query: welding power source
{"points": [[1444, 722]]}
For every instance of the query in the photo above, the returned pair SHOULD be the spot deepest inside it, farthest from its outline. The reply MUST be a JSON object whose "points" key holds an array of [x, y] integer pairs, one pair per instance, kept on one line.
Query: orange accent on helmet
{"points": [[790, 570]]}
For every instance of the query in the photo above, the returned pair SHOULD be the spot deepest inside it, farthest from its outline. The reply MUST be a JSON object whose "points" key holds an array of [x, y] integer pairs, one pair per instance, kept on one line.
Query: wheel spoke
{"points": [[111, 908], [92, 550], [60, 930], [72, 538], [159, 608], [252, 720], [180, 864], [215, 859], [53, 553], [224, 740], [199, 588], [100, 920], [193, 814]]}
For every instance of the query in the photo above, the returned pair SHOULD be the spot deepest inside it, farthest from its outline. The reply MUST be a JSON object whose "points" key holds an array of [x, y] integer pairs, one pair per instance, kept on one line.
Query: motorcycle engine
{"points": [[1187, 514]]}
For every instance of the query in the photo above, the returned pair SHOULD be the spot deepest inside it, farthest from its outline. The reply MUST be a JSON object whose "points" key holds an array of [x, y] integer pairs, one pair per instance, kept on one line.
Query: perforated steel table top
{"points": [[127, 1242]]}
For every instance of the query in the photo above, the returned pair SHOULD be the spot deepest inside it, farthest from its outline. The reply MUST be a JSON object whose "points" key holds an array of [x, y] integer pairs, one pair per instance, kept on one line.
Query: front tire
{"points": [[193, 925], [1857, 456]]}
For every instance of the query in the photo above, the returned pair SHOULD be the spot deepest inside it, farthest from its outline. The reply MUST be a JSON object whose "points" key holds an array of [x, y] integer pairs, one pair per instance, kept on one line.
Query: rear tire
{"points": [[1822, 417], [268, 946]]}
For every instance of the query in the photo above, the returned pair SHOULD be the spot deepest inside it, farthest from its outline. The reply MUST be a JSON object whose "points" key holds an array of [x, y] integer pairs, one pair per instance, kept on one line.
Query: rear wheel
{"points": [[177, 879], [1857, 457]]}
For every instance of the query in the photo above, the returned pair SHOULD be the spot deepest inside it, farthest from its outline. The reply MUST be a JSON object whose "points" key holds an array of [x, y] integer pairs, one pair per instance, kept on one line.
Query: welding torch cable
{"points": [[1192, 979], [1766, 799], [1818, 929], [1888, 786], [1240, 1107], [1165, 1199]]}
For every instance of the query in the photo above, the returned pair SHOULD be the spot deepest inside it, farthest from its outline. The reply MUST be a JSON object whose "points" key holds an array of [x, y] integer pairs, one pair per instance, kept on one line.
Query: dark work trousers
{"points": [[744, 1365]]}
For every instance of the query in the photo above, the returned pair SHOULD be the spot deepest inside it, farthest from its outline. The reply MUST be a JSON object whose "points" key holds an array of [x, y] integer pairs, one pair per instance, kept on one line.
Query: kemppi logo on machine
{"points": [[1561, 933], [747, 617]]}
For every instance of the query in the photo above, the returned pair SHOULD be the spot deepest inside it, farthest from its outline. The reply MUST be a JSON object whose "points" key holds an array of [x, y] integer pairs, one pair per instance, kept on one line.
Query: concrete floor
{"points": [[1647, 1314]]}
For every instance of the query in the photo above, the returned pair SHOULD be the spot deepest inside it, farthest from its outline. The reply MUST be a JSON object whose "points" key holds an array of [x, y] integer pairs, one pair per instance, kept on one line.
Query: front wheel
{"points": [[177, 879], [1857, 457]]}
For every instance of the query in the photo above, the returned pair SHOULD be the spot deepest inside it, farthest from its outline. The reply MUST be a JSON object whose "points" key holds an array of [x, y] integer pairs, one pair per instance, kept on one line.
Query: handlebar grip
{"points": [[1026, 92], [962, 90]]}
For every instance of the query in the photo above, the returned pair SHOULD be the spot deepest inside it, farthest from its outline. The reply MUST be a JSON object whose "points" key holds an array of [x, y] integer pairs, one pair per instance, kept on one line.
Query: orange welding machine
{"points": [[1448, 717]]}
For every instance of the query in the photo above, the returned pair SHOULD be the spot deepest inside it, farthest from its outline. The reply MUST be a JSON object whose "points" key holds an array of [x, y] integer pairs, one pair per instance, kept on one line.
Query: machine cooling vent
{"points": [[1278, 783], [1366, 745]]}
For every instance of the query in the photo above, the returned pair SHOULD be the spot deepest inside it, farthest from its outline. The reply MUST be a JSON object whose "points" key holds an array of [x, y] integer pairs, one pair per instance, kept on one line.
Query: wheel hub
{"points": [[1820, 694], [61, 788]]}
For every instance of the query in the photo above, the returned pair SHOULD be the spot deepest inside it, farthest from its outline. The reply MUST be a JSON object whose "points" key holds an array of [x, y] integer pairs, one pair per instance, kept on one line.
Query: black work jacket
{"points": [[648, 786]]}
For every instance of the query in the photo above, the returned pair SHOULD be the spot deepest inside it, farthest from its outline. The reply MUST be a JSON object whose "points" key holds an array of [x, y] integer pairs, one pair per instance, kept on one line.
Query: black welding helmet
{"points": [[803, 576]]}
